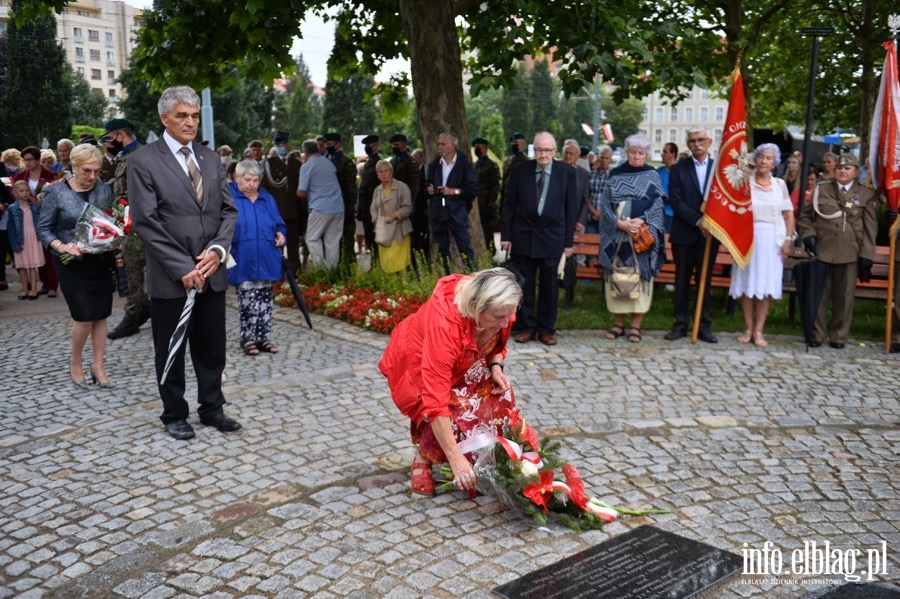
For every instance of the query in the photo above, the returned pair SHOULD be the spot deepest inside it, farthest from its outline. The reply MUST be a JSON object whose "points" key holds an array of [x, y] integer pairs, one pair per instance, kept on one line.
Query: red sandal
{"points": [[422, 480]]}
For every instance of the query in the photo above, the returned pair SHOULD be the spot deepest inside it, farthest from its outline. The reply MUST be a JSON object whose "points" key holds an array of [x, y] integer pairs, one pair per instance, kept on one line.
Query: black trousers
{"points": [[539, 274], [206, 337], [689, 264]]}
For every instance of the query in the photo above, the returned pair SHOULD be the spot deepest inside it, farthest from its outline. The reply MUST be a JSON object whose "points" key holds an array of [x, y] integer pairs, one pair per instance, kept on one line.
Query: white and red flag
{"points": [[884, 151], [728, 215]]}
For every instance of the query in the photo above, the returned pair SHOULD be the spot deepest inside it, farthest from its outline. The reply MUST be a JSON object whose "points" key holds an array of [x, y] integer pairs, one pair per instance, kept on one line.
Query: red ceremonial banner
{"points": [[728, 215], [884, 152]]}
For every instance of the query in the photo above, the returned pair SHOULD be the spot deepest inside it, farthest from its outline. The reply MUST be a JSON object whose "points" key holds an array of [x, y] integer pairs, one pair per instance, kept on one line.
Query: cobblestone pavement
{"points": [[311, 498]]}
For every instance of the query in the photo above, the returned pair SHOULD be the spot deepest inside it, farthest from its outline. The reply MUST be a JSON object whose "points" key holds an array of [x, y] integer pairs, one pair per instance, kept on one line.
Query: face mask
{"points": [[513, 148], [330, 150], [280, 150], [225, 160], [115, 147], [396, 151], [478, 152], [369, 150]]}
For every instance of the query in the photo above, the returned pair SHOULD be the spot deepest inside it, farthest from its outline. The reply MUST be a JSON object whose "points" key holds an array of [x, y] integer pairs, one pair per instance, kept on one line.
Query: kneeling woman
{"points": [[444, 365]]}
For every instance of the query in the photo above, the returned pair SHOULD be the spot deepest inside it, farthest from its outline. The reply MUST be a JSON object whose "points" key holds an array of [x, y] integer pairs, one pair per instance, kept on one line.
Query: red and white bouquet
{"points": [[98, 230], [520, 471]]}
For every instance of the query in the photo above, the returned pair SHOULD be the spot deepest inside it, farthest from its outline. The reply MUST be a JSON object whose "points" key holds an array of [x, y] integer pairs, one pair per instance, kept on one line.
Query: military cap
{"points": [[398, 137], [333, 136], [281, 137], [369, 139], [105, 139], [584, 150], [88, 139], [516, 136], [255, 144], [116, 124], [480, 140], [848, 159]]}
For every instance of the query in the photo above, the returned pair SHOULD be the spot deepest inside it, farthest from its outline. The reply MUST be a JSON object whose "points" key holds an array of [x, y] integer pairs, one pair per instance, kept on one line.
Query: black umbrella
{"points": [[809, 281], [295, 289]]}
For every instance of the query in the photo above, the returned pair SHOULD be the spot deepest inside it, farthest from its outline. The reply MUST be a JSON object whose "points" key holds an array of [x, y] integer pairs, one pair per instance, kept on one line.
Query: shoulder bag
{"points": [[625, 281]]}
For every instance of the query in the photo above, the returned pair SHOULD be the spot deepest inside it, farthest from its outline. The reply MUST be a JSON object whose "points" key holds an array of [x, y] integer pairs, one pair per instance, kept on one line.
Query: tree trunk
{"points": [[436, 69], [868, 85]]}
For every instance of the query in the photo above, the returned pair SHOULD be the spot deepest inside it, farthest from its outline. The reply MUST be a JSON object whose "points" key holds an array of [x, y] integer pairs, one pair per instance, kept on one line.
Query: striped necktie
{"points": [[194, 172]]}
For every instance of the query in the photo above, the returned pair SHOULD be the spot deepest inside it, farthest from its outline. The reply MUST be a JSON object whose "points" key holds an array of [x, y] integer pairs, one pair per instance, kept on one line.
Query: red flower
{"points": [[515, 420], [530, 436], [540, 492], [576, 485]]}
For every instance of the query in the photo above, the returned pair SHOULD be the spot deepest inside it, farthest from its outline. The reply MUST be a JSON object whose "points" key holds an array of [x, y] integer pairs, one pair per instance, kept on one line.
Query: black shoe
{"points": [[123, 330], [815, 344], [222, 422], [180, 429], [895, 348], [675, 334], [836, 345], [707, 337]]}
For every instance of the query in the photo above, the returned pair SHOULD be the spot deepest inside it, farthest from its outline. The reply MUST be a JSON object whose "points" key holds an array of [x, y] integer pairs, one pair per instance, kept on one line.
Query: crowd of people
{"points": [[262, 212]]}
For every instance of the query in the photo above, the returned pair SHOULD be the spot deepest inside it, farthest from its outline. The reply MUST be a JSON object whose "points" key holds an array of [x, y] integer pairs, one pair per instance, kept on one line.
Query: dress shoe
{"points": [[895, 348], [51, 293], [547, 339], [836, 345], [674, 334], [222, 422], [524, 337], [707, 337], [181, 430], [123, 330], [815, 344]]}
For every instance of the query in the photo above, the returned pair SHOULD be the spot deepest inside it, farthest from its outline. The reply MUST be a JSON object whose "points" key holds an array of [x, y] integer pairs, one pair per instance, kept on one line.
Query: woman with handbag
{"points": [[391, 209], [631, 237], [773, 226]]}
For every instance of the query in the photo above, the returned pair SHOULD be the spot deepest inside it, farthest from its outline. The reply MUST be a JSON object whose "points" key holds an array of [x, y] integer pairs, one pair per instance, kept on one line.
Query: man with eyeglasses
{"points": [[688, 180], [538, 227]]}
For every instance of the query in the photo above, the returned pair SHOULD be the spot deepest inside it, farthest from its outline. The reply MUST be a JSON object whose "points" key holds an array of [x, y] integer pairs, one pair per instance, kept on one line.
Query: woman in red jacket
{"points": [[444, 365]]}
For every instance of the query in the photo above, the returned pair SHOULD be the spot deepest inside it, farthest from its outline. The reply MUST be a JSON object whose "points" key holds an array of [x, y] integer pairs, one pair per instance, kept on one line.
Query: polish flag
{"points": [[884, 148]]}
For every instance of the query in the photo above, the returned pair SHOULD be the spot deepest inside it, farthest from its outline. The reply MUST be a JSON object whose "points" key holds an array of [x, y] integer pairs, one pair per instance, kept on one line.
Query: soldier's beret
{"points": [[369, 139], [480, 140], [332, 136], [516, 136], [116, 124], [398, 137]]}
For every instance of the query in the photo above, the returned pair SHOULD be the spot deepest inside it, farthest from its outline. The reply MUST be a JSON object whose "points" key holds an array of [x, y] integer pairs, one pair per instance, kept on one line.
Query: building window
{"points": [[659, 113], [704, 114], [690, 94], [673, 135], [79, 54], [109, 38], [82, 13], [718, 136], [704, 94], [643, 132], [674, 114], [95, 55], [112, 94], [81, 71], [688, 114], [93, 36], [720, 113], [95, 74], [657, 136], [110, 59], [644, 113], [76, 34], [111, 77]]}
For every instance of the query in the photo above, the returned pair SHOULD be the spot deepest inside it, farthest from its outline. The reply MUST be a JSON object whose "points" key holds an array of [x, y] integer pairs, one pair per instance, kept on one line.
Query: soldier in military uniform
{"points": [[281, 177], [406, 169], [108, 165], [137, 305], [488, 190], [346, 174], [367, 184], [839, 226], [517, 154]]}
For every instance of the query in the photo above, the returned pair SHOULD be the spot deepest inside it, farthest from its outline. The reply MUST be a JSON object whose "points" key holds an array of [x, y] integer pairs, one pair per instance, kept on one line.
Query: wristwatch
{"points": [[456, 191]]}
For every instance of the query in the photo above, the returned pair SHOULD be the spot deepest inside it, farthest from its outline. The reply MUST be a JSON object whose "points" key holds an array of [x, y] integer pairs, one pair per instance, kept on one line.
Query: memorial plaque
{"points": [[645, 563], [856, 591]]}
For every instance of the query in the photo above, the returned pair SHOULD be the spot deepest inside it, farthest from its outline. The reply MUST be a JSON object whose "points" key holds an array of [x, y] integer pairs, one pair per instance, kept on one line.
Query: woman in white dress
{"points": [[773, 227]]}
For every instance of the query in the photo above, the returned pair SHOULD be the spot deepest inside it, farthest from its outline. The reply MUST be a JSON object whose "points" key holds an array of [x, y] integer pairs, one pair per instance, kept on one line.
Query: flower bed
{"points": [[362, 307]]}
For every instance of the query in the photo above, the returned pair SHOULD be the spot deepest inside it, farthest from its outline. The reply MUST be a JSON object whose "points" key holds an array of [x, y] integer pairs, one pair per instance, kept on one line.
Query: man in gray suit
{"points": [[184, 213]]}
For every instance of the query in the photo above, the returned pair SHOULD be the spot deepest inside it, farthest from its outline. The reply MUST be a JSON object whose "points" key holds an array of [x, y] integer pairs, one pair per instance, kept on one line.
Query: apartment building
{"points": [[98, 36], [664, 121]]}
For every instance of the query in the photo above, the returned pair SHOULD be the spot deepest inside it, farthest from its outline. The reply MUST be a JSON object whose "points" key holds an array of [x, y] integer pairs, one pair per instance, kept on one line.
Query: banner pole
{"points": [[889, 304], [701, 290]]}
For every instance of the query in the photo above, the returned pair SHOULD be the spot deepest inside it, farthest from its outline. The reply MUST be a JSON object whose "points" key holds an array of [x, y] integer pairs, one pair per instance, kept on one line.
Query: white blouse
{"points": [[769, 204]]}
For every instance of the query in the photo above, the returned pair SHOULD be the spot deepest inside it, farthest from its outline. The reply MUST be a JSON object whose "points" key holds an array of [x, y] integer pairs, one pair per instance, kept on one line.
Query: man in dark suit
{"points": [[281, 177], [184, 213], [452, 186], [539, 215], [688, 180]]}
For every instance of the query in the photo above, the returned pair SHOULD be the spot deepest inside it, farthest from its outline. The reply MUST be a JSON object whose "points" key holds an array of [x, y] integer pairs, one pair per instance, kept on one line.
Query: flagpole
{"points": [[894, 26], [701, 290]]}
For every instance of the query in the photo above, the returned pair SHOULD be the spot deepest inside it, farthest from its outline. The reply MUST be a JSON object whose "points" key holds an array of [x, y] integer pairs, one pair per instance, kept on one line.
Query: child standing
{"points": [[24, 213]]}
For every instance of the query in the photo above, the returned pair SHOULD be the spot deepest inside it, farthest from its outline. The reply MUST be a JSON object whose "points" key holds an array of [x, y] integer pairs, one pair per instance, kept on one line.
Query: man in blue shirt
{"points": [[669, 158], [319, 186]]}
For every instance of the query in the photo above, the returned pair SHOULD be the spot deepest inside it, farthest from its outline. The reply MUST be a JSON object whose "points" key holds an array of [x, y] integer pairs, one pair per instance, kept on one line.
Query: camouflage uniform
{"points": [[346, 174], [488, 189]]}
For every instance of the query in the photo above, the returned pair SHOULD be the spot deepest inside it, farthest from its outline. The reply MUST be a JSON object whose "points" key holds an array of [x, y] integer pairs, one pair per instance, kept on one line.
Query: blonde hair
{"points": [[45, 154], [11, 155], [485, 290], [84, 153], [22, 183]]}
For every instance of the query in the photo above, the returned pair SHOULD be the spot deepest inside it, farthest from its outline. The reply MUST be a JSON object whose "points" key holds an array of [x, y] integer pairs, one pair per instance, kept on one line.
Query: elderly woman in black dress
{"points": [[633, 196], [86, 281]]}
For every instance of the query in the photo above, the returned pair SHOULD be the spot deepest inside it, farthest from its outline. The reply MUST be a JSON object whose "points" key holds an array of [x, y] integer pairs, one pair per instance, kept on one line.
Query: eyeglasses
{"points": [[545, 150], [698, 140]]}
